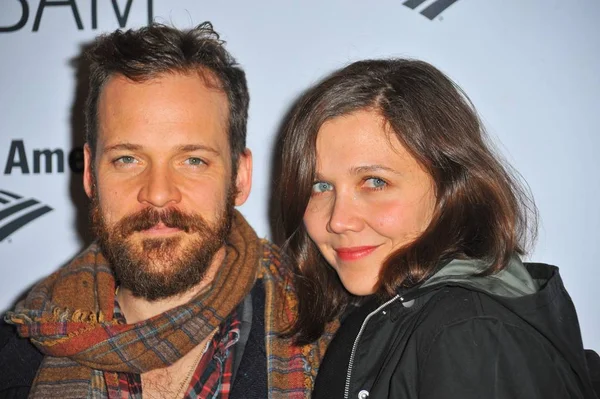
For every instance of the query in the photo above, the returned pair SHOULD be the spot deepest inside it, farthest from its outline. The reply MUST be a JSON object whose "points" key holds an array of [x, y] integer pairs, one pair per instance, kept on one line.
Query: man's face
{"points": [[161, 182]]}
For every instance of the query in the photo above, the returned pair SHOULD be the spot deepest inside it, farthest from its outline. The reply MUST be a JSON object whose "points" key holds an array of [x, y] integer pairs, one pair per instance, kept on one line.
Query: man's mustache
{"points": [[147, 218]]}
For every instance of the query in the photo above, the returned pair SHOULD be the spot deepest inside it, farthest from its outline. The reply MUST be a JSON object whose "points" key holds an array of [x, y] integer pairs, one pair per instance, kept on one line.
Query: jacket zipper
{"points": [[354, 346]]}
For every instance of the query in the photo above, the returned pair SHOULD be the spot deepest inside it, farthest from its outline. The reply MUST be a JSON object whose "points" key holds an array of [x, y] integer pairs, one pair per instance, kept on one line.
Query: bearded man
{"points": [[178, 298]]}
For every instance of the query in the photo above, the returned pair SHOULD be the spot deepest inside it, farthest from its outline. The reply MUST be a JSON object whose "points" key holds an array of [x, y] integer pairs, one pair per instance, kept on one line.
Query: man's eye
{"points": [[195, 161], [375, 182], [321, 187], [126, 159]]}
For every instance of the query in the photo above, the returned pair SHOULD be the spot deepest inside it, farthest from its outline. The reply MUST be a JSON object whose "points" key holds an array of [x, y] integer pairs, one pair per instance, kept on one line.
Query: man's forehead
{"points": [[204, 81], [166, 98], [163, 115]]}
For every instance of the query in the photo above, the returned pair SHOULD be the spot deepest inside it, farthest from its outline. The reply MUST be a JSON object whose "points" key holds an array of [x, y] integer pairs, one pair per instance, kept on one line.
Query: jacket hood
{"points": [[513, 281], [532, 291]]}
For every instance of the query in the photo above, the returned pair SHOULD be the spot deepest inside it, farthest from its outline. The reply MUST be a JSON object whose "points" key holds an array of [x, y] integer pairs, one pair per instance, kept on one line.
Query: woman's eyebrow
{"points": [[357, 170]]}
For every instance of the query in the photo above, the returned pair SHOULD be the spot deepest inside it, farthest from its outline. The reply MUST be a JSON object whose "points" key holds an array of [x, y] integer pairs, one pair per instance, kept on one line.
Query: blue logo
{"points": [[431, 10], [16, 212]]}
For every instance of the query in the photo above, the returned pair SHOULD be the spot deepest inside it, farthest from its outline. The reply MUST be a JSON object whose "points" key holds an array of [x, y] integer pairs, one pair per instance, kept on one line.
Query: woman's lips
{"points": [[354, 253]]}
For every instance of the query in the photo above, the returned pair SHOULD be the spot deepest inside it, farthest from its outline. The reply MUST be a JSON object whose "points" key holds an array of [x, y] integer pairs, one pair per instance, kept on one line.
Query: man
{"points": [[178, 297]]}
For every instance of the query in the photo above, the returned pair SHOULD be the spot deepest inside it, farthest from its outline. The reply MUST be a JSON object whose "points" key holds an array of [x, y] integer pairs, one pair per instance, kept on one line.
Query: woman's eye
{"points": [[195, 161], [321, 187], [375, 182]]}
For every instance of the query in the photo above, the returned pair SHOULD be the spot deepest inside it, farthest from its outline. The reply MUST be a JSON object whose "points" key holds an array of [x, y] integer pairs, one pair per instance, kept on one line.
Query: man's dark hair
{"points": [[148, 52], [481, 210]]}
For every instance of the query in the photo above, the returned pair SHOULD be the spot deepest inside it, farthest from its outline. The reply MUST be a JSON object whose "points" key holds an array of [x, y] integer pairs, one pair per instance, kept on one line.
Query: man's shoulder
{"points": [[270, 250], [19, 361], [273, 263]]}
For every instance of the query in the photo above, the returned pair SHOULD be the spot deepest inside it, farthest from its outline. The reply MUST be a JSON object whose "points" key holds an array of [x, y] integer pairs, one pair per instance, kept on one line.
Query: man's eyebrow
{"points": [[123, 146], [357, 170], [182, 148], [197, 147]]}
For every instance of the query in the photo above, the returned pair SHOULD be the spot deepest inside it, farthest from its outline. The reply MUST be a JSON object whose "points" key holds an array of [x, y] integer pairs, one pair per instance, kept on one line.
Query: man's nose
{"points": [[159, 187]]}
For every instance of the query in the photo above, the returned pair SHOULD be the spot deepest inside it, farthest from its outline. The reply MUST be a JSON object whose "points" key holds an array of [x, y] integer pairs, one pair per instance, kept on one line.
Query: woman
{"points": [[403, 223]]}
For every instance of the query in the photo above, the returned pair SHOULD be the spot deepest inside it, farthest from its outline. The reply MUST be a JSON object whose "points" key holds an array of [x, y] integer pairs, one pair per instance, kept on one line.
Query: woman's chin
{"points": [[359, 288]]}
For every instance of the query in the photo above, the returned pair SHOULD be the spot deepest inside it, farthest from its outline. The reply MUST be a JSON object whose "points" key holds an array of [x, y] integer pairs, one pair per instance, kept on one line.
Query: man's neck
{"points": [[137, 309]]}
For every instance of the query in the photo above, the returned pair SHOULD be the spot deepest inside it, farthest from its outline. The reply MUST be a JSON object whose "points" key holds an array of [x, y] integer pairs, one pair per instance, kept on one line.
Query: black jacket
{"points": [[20, 360], [457, 340]]}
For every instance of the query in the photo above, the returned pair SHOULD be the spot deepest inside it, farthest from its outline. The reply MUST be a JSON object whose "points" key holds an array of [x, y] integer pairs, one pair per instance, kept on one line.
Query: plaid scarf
{"points": [[291, 369], [69, 317]]}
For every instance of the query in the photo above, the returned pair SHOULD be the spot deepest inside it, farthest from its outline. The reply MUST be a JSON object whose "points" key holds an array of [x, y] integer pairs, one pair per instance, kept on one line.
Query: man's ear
{"points": [[243, 181], [88, 170]]}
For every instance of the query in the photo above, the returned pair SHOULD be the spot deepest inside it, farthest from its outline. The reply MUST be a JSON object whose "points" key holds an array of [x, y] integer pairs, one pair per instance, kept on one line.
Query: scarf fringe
{"points": [[59, 315]]}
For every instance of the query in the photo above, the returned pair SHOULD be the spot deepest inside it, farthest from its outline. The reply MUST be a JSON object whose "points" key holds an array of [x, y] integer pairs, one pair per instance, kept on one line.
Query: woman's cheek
{"points": [[387, 215]]}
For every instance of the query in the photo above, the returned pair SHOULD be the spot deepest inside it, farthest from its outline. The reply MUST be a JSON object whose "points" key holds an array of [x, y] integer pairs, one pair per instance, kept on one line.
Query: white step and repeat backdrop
{"points": [[532, 68]]}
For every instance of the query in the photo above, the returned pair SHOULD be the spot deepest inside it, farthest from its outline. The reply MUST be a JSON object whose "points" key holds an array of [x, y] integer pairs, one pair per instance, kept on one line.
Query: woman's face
{"points": [[370, 197]]}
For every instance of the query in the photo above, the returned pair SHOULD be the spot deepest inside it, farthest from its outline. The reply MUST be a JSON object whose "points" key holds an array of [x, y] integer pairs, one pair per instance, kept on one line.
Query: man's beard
{"points": [[157, 268]]}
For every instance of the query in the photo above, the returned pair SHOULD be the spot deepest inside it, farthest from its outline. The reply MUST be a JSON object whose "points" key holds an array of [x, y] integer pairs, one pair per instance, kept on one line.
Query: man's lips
{"points": [[160, 229], [354, 253]]}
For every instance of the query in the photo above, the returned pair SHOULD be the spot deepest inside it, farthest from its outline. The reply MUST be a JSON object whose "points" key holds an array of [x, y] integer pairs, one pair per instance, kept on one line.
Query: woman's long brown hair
{"points": [[481, 211]]}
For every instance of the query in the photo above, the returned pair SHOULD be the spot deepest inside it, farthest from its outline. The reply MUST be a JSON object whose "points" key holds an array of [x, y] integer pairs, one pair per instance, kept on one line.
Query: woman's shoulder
{"points": [[461, 326], [467, 342], [456, 302], [461, 318], [452, 305]]}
